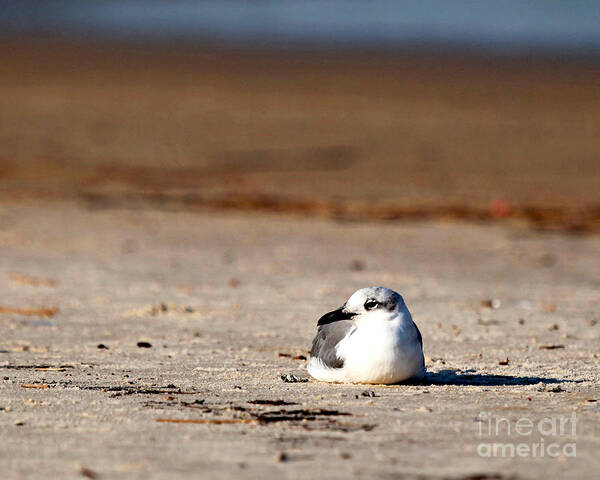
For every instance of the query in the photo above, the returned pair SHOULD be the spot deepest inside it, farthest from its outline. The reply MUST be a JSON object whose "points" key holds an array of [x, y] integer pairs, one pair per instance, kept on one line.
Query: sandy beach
{"points": [[227, 304], [174, 221]]}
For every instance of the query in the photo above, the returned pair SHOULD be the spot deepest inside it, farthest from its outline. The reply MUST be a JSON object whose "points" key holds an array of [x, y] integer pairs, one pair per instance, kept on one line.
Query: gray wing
{"points": [[419, 337], [327, 338]]}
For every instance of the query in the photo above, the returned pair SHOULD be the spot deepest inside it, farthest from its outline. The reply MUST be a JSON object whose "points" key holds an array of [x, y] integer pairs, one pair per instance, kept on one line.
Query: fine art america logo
{"points": [[524, 437]]}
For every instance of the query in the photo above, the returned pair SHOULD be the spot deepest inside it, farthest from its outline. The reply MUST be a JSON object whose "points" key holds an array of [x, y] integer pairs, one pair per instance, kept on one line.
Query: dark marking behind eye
{"points": [[390, 304]]}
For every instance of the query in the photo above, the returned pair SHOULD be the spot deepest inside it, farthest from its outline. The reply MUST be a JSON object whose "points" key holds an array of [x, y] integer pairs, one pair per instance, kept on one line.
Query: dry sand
{"points": [[226, 301]]}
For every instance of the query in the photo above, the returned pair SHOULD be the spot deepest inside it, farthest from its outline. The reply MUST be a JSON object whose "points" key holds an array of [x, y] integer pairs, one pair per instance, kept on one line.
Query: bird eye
{"points": [[370, 304]]}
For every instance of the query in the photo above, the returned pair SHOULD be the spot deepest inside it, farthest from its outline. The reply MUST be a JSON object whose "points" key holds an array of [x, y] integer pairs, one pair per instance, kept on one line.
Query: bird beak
{"points": [[335, 316]]}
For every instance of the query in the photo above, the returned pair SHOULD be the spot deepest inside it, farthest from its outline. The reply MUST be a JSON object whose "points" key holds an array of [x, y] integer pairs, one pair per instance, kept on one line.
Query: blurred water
{"points": [[509, 26]]}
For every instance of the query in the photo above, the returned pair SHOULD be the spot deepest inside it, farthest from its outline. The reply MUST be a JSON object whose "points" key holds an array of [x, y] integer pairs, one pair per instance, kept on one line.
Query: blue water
{"points": [[509, 26]]}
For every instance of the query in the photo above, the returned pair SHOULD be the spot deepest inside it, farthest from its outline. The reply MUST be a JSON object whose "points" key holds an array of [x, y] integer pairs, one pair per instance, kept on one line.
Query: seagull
{"points": [[370, 339]]}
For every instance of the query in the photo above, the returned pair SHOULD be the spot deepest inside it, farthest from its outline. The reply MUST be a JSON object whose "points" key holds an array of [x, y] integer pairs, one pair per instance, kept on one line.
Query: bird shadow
{"points": [[454, 377]]}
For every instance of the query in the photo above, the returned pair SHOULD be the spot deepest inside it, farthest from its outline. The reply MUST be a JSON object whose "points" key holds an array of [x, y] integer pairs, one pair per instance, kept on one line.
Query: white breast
{"points": [[380, 350]]}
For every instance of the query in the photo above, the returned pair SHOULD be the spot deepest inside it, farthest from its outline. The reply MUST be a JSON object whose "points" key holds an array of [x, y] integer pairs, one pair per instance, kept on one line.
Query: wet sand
{"points": [[405, 134]]}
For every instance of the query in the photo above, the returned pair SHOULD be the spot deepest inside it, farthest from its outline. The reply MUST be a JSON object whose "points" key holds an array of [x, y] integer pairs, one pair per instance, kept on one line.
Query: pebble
{"points": [[291, 378], [282, 457], [368, 393]]}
